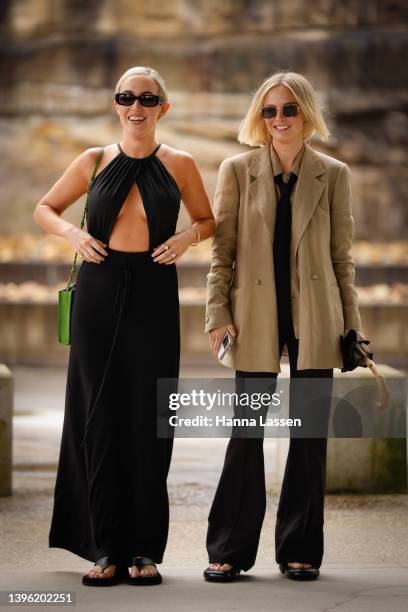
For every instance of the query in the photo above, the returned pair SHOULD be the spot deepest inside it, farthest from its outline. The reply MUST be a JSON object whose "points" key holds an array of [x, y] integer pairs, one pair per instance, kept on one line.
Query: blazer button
{"points": [[258, 281], [207, 319], [315, 276]]}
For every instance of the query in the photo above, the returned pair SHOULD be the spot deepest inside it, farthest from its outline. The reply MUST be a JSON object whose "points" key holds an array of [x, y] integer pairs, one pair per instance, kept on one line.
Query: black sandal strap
{"points": [[141, 561], [104, 562]]}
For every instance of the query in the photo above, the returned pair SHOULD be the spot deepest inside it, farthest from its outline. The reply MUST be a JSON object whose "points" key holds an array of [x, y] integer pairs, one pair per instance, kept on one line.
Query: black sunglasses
{"points": [[145, 99], [290, 109]]}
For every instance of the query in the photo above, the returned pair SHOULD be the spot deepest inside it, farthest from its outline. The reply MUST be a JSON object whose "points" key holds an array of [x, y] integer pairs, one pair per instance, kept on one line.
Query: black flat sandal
{"points": [[104, 562], [213, 575], [306, 573], [139, 562]]}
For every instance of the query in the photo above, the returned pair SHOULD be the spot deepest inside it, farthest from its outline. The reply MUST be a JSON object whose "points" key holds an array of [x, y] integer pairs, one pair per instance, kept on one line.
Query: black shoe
{"points": [[104, 562], [139, 562], [306, 573], [213, 575]]}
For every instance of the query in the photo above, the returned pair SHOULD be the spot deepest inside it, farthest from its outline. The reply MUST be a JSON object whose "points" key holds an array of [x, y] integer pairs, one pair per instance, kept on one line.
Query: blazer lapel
{"points": [[261, 191], [309, 190]]}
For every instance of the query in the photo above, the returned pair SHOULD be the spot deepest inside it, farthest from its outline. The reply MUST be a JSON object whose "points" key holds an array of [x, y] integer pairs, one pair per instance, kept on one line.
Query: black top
{"points": [[158, 189], [282, 246]]}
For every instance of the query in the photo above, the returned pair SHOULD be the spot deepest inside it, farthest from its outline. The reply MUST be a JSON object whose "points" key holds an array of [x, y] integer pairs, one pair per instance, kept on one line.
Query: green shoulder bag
{"points": [[66, 296]]}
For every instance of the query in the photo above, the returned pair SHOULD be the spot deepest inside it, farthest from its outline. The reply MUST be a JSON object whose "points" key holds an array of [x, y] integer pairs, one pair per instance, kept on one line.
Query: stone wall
{"points": [[61, 58], [350, 46]]}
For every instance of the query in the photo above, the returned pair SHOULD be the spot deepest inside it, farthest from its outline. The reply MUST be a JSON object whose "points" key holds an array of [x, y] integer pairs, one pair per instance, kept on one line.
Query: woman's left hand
{"points": [[360, 335], [170, 251]]}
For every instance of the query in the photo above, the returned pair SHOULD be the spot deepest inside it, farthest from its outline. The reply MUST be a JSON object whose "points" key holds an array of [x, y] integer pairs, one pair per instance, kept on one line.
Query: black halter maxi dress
{"points": [[111, 494]]}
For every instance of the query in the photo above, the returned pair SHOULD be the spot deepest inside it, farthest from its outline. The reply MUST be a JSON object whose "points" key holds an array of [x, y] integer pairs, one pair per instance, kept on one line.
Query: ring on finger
{"points": [[166, 246], [173, 254]]}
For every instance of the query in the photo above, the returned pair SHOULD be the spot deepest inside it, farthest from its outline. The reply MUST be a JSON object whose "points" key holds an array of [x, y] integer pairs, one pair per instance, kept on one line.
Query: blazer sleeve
{"points": [[224, 239], [342, 232]]}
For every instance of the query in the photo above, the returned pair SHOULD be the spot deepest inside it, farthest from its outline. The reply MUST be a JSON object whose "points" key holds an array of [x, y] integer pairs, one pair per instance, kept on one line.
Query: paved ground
{"points": [[366, 537]]}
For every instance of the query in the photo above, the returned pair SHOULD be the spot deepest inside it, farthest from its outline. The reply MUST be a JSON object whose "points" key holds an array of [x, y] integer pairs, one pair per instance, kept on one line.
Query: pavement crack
{"points": [[356, 594]]}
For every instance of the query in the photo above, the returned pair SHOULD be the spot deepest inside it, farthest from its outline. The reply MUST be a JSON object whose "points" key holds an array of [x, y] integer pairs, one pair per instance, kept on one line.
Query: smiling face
{"points": [[139, 119], [285, 130]]}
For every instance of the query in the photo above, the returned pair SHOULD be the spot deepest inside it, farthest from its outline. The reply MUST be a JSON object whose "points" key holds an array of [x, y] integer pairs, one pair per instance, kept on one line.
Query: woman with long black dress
{"points": [[111, 501]]}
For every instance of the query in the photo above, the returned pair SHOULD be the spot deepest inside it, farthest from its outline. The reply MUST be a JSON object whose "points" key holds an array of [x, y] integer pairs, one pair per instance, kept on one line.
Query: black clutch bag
{"points": [[354, 352]]}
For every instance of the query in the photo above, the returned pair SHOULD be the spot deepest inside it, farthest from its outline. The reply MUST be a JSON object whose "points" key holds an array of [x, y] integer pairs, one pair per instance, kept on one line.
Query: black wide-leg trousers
{"points": [[238, 509]]}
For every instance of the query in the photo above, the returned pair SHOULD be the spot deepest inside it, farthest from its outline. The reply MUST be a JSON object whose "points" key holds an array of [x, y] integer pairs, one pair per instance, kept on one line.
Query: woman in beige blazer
{"points": [[281, 282]]}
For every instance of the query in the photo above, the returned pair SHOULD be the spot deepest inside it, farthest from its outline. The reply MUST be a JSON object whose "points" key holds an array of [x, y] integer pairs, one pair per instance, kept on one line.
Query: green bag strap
{"points": [[91, 181]]}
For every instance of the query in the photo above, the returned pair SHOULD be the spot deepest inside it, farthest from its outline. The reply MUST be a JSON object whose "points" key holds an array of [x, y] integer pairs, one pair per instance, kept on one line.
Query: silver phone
{"points": [[226, 343]]}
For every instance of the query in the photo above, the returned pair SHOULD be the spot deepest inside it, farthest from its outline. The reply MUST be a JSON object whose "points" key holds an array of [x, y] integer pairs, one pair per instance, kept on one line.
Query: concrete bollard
{"points": [[360, 465], [371, 465], [6, 429]]}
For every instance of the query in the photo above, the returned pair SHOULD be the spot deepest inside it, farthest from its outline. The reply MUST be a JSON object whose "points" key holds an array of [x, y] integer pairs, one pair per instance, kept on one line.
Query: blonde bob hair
{"points": [[253, 131], [145, 70]]}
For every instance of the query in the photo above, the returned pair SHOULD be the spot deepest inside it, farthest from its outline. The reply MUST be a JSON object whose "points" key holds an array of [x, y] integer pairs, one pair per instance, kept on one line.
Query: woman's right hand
{"points": [[88, 247], [216, 336]]}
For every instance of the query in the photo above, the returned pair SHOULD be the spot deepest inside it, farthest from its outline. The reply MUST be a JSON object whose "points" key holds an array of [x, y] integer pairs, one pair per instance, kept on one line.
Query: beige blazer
{"points": [[241, 281]]}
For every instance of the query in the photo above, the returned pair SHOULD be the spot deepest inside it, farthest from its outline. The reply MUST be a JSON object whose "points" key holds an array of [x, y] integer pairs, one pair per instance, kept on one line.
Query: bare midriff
{"points": [[131, 230]]}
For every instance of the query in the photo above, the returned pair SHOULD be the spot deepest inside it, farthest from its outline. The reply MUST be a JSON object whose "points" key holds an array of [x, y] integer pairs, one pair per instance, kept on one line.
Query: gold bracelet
{"points": [[198, 237]]}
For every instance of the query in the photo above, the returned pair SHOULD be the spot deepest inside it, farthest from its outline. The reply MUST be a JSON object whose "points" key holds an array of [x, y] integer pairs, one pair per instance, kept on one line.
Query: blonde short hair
{"points": [[145, 70], [252, 130]]}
